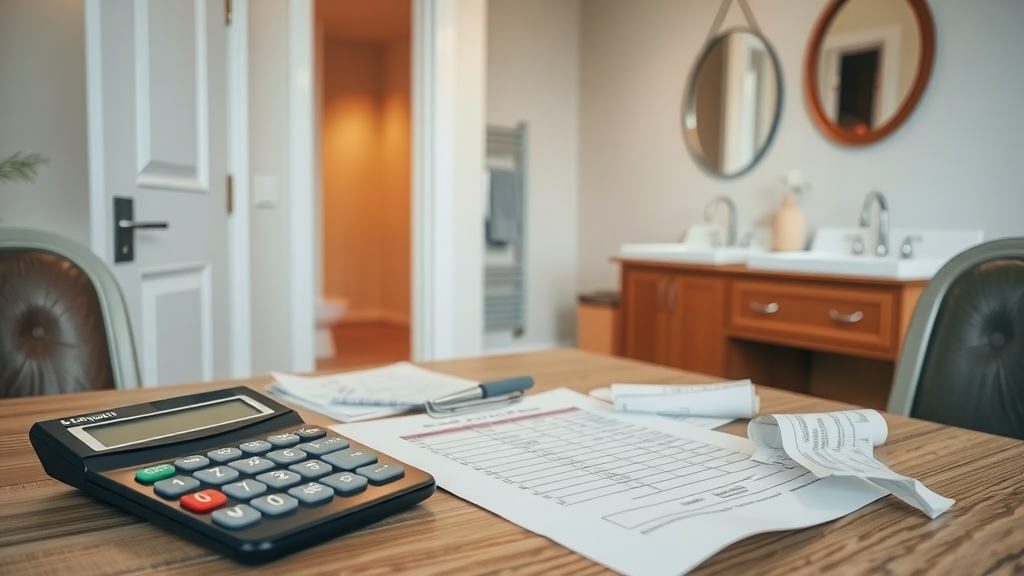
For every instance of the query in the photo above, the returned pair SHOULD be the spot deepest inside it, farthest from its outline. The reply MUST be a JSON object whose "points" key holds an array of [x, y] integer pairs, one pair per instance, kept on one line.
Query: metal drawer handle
{"points": [[770, 308], [847, 318]]}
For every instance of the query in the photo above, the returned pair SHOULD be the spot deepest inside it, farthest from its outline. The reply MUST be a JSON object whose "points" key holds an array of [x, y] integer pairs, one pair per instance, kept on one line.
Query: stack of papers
{"points": [[366, 394], [838, 444]]}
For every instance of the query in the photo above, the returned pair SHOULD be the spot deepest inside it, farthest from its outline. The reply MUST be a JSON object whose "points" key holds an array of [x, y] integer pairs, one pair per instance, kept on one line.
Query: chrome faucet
{"points": [[709, 212], [882, 248]]}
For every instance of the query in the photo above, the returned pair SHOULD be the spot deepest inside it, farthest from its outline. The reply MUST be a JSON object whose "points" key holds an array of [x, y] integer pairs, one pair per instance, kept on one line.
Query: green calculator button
{"points": [[154, 473]]}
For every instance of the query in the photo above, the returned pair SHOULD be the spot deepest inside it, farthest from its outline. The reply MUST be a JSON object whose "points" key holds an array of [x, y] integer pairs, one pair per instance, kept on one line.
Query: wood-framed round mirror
{"points": [[867, 65], [731, 107]]}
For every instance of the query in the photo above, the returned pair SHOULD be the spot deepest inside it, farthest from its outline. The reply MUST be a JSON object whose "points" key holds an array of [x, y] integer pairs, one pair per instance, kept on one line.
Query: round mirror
{"points": [[867, 65], [732, 104]]}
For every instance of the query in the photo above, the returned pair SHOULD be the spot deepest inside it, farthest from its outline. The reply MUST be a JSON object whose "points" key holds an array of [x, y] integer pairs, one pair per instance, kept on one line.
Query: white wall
{"points": [[954, 163], [533, 76], [268, 149], [42, 109]]}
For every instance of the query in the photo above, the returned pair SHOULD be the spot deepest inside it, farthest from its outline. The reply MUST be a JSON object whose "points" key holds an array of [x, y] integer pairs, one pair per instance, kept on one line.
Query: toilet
{"points": [[329, 311]]}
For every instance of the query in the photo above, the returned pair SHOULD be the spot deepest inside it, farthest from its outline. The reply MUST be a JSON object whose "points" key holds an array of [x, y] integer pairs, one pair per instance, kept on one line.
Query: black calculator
{"points": [[231, 469]]}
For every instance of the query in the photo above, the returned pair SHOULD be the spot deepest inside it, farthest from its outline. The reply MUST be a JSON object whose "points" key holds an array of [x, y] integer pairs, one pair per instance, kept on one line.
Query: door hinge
{"points": [[227, 11], [230, 188]]}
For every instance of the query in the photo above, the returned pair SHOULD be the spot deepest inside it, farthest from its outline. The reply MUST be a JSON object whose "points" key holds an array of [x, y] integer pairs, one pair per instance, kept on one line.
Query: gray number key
{"points": [[244, 490], [350, 459], [279, 479], [238, 516], [252, 465], [311, 469], [345, 483], [190, 463], [312, 493], [325, 446], [381, 473], [287, 456], [176, 486], [283, 440], [275, 504], [217, 475], [222, 455], [255, 447]]}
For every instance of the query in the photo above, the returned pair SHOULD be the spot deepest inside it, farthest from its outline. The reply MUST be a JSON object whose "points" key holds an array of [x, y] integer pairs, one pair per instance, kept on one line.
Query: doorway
{"points": [[364, 120]]}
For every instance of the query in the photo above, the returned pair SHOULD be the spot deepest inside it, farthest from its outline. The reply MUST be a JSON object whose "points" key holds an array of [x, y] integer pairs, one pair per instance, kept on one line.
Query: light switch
{"points": [[264, 191]]}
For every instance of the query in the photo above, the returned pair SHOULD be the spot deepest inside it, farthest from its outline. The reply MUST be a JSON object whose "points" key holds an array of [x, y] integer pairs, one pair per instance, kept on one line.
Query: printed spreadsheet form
{"points": [[638, 493]]}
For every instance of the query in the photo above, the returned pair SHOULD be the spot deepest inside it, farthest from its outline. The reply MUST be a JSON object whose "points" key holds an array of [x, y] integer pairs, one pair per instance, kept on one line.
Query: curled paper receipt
{"points": [[838, 444], [725, 400]]}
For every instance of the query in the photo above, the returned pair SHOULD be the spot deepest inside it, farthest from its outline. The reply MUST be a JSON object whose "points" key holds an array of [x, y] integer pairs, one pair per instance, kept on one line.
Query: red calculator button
{"points": [[204, 501]]}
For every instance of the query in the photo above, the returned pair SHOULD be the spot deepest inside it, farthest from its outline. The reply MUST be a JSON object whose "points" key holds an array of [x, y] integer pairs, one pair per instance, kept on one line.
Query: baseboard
{"points": [[375, 315]]}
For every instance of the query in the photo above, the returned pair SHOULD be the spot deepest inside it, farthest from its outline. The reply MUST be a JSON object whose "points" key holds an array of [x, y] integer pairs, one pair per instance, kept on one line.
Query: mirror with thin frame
{"points": [[732, 104]]}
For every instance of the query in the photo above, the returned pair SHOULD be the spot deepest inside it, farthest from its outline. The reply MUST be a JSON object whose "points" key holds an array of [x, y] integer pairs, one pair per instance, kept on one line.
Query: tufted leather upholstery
{"points": [[972, 374], [52, 336]]}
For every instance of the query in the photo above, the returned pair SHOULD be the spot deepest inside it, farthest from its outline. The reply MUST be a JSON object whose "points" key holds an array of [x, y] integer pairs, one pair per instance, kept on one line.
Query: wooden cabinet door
{"points": [[697, 331], [645, 317]]}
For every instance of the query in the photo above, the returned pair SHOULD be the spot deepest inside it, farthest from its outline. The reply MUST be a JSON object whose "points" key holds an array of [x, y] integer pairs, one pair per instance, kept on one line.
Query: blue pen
{"points": [[497, 390]]}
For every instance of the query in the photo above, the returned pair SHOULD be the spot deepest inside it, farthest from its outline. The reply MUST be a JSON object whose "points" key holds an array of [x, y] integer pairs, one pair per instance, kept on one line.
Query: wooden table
{"points": [[47, 527]]}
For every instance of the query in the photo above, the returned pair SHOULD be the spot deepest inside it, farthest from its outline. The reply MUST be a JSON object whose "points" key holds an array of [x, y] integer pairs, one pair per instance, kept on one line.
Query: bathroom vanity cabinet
{"points": [[837, 337]]}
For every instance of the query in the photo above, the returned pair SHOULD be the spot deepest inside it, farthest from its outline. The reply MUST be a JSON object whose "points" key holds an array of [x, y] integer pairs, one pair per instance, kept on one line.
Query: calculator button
{"points": [[345, 483], [174, 487], [287, 456], [283, 440], [244, 490], [275, 504], [190, 463], [310, 433], [223, 455], [381, 473], [252, 465], [350, 459], [154, 473], [238, 516], [217, 475], [279, 479], [312, 493], [325, 446], [255, 447], [204, 501], [311, 469]]}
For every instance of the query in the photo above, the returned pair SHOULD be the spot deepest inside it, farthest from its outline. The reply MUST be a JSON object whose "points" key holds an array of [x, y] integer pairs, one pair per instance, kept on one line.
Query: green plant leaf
{"points": [[21, 166]]}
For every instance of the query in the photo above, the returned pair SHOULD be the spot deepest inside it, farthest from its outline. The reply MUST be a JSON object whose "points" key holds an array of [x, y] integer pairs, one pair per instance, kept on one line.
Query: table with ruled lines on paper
{"points": [[641, 494], [567, 456]]}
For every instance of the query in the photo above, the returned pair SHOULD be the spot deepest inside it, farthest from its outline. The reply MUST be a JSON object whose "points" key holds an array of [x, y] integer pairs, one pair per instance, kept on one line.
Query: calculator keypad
{"points": [[267, 478]]}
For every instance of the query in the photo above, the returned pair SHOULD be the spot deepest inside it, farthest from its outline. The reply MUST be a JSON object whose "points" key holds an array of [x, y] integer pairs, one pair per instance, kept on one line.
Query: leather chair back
{"points": [[970, 361], [56, 334]]}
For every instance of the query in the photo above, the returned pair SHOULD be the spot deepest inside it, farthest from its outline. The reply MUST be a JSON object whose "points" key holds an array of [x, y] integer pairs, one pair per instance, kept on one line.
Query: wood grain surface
{"points": [[49, 528]]}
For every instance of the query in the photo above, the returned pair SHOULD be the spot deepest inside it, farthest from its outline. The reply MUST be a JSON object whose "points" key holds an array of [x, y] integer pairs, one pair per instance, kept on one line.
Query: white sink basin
{"points": [[830, 253], [698, 248]]}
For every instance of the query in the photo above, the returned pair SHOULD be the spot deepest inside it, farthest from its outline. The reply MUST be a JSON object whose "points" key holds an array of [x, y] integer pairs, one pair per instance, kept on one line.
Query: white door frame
{"points": [[447, 281]]}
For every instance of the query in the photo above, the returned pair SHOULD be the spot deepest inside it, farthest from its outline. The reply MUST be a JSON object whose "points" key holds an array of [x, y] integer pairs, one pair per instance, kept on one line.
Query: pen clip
{"points": [[442, 411]]}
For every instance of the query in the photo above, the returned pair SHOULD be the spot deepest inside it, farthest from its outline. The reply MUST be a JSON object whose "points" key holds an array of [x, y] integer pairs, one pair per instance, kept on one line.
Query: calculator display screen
{"points": [[171, 422]]}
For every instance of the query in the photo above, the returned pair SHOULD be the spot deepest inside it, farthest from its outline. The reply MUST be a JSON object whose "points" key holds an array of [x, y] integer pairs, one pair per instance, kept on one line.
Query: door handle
{"points": [[133, 224], [124, 229], [846, 318], [769, 308]]}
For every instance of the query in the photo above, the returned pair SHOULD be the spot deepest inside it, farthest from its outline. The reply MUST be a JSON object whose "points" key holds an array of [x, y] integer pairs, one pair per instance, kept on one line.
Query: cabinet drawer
{"points": [[832, 318]]}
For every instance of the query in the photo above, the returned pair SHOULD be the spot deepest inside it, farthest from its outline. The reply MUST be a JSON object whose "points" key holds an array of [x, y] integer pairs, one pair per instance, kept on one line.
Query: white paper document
{"points": [[725, 400], [638, 493], [839, 444], [365, 394], [699, 421]]}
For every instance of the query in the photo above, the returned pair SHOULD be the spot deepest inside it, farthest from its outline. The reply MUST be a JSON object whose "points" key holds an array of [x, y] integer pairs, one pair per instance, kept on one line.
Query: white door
{"points": [[158, 135]]}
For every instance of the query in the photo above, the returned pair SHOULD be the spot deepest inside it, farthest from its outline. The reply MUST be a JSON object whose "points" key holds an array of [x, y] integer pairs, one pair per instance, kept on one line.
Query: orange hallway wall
{"points": [[366, 178]]}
